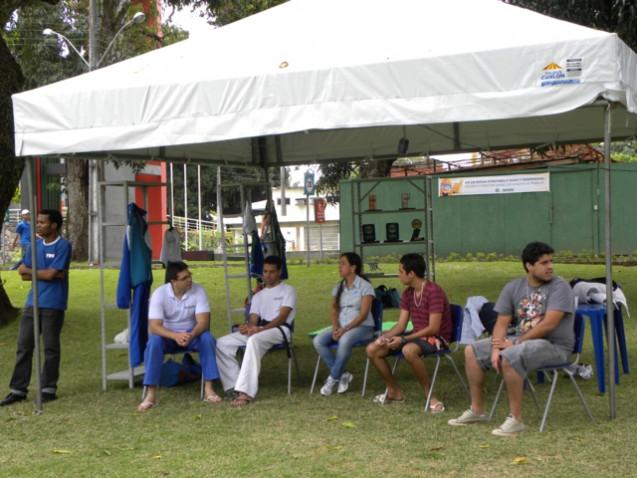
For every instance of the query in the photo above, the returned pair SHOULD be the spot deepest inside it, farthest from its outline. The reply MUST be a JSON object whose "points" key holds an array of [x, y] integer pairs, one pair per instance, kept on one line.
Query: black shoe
{"points": [[11, 399], [48, 397]]}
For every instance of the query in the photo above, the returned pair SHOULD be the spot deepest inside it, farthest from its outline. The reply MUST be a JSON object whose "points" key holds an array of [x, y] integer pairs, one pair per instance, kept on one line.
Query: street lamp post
{"points": [[91, 64], [95, 167]]}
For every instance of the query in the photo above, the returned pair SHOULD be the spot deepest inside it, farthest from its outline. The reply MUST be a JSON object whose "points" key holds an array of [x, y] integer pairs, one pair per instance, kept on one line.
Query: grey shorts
{"points": [[525, 357]]}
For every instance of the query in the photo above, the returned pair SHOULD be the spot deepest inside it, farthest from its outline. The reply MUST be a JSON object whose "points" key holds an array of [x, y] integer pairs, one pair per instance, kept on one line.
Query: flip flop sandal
{"points": [[383, 399], [213, 399], [380, 399], [145, 406], [436, 408]]}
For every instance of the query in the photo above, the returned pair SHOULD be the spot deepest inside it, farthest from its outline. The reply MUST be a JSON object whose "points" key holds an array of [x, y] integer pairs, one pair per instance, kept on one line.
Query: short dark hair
{"points": [[274, 261], [414, 262], [54, 216], [533, 251], [173, 269]]}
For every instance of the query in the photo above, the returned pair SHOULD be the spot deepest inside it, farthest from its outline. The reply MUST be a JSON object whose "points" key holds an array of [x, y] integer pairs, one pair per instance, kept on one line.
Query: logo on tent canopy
{"points": [[553, 74]]}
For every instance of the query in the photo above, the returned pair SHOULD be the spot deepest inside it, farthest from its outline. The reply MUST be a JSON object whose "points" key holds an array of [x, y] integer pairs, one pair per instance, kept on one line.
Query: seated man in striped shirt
{"points": [[426, 304]]}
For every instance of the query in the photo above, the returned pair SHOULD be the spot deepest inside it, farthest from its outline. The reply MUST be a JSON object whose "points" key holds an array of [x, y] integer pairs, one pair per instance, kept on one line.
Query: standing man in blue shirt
{"points": [[53, 256], [22, 234]]}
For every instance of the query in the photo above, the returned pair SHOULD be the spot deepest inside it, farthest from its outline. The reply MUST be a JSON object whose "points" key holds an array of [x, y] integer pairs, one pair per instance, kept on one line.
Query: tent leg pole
{"points": [[610, 320], [33, 207]]}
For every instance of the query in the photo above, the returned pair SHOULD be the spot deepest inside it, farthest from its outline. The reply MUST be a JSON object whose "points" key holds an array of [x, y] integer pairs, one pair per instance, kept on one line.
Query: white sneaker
{"points": [[510, 427], [328, 387], [468, 417], [345, 380]]}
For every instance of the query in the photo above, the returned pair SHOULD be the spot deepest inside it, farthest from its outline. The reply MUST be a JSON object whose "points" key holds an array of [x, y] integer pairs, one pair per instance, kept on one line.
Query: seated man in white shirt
{"points": [[271, 314], [178, 320]]}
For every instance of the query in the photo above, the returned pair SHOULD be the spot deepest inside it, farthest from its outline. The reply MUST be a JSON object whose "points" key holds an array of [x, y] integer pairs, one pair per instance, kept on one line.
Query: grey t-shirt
{"points": [[529, 305]]}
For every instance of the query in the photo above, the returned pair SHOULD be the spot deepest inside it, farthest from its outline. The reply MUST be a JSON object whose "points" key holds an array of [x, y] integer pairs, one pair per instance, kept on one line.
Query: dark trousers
{"points": [[51, 321]]}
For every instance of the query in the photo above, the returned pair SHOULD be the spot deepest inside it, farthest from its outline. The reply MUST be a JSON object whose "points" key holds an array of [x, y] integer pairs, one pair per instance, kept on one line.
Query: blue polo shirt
{"points": [[23, 229], [52, 294]]}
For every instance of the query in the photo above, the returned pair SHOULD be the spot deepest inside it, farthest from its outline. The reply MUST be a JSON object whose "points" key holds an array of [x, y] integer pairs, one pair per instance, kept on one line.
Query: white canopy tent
{"points": [[330, 80], [341, 79]]}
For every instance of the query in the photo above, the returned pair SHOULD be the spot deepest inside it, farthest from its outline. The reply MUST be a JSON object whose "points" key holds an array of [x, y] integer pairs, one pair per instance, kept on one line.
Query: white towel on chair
{"points": [[472, 327], [595, 292]]}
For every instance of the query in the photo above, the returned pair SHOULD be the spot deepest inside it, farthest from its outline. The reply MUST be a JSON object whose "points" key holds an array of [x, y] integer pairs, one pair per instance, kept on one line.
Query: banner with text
{"points": [[506, 184], [319, 210]]}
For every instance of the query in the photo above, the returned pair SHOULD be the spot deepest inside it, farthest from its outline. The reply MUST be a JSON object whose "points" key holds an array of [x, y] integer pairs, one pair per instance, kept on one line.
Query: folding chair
{"points": [[377, 314], [456, 318], [554, 370], [291, 352]]}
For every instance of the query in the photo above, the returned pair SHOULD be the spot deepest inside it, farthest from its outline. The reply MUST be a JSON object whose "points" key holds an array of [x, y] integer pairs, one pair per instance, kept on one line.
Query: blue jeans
{"points": [[157, 346], [337, 362]]}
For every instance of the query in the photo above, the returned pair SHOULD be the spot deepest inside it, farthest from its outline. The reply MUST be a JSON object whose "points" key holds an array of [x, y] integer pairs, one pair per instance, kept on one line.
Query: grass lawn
{"points": [[88, 432]]}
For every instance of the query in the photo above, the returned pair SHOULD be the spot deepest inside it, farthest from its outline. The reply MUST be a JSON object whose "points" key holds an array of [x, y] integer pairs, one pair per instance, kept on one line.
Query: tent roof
{"points": [[319, 80]]}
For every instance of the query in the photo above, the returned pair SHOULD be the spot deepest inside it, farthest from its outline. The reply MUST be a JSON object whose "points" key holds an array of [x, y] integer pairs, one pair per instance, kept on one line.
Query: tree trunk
{"points": [[10, 167], [77, 217]]}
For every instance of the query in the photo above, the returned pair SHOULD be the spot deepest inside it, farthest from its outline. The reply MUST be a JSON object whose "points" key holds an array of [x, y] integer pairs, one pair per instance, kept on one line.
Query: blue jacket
{"points": [[136, 274]]}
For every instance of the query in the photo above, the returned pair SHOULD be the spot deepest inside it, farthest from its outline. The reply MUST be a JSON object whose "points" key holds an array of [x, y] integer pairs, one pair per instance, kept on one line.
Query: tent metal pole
{"points": [[199, 207], [172, 196], [186, 206], [33, 205], [284, 207], [279, 157], [610, 322]]}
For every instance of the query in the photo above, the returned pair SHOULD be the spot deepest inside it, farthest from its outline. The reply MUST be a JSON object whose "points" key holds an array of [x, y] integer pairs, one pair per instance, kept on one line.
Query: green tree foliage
{"points": [[39, 56], [222, 12], [619, 16], [624, 152]]}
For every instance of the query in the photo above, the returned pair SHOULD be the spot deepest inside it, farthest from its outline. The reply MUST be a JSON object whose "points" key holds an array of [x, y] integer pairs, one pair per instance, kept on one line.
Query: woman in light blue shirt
{"points": [[352, 322]]}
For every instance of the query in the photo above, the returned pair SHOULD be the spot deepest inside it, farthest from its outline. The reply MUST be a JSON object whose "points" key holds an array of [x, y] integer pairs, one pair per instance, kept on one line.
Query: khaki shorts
{"points": [[525, 357]]}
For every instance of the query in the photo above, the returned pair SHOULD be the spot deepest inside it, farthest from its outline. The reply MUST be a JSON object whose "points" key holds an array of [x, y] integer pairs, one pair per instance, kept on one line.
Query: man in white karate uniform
{"points": [[271, 315]]}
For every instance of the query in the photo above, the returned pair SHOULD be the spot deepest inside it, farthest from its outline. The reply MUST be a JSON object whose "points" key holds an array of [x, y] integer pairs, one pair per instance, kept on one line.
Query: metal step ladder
{"points": [[239, 253]]}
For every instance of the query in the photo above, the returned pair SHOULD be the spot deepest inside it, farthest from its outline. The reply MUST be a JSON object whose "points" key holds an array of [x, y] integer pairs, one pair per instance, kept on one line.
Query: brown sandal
{"points": [[241, 401]]}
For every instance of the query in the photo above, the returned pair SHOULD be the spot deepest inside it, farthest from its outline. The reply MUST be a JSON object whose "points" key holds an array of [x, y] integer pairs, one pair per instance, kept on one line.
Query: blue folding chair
{"points": [[456, 334], [377, 314], [579, 327]]}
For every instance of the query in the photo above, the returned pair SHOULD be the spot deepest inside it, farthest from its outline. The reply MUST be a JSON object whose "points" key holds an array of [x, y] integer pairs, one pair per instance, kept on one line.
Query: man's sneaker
{"points": [[329, 386], [11, 399], [510, 427], [343, 383], [467, 418]]}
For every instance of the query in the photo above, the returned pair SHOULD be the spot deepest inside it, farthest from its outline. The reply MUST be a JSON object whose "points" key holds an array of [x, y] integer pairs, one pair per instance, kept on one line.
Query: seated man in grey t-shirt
{"points": [[543, 306]]}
